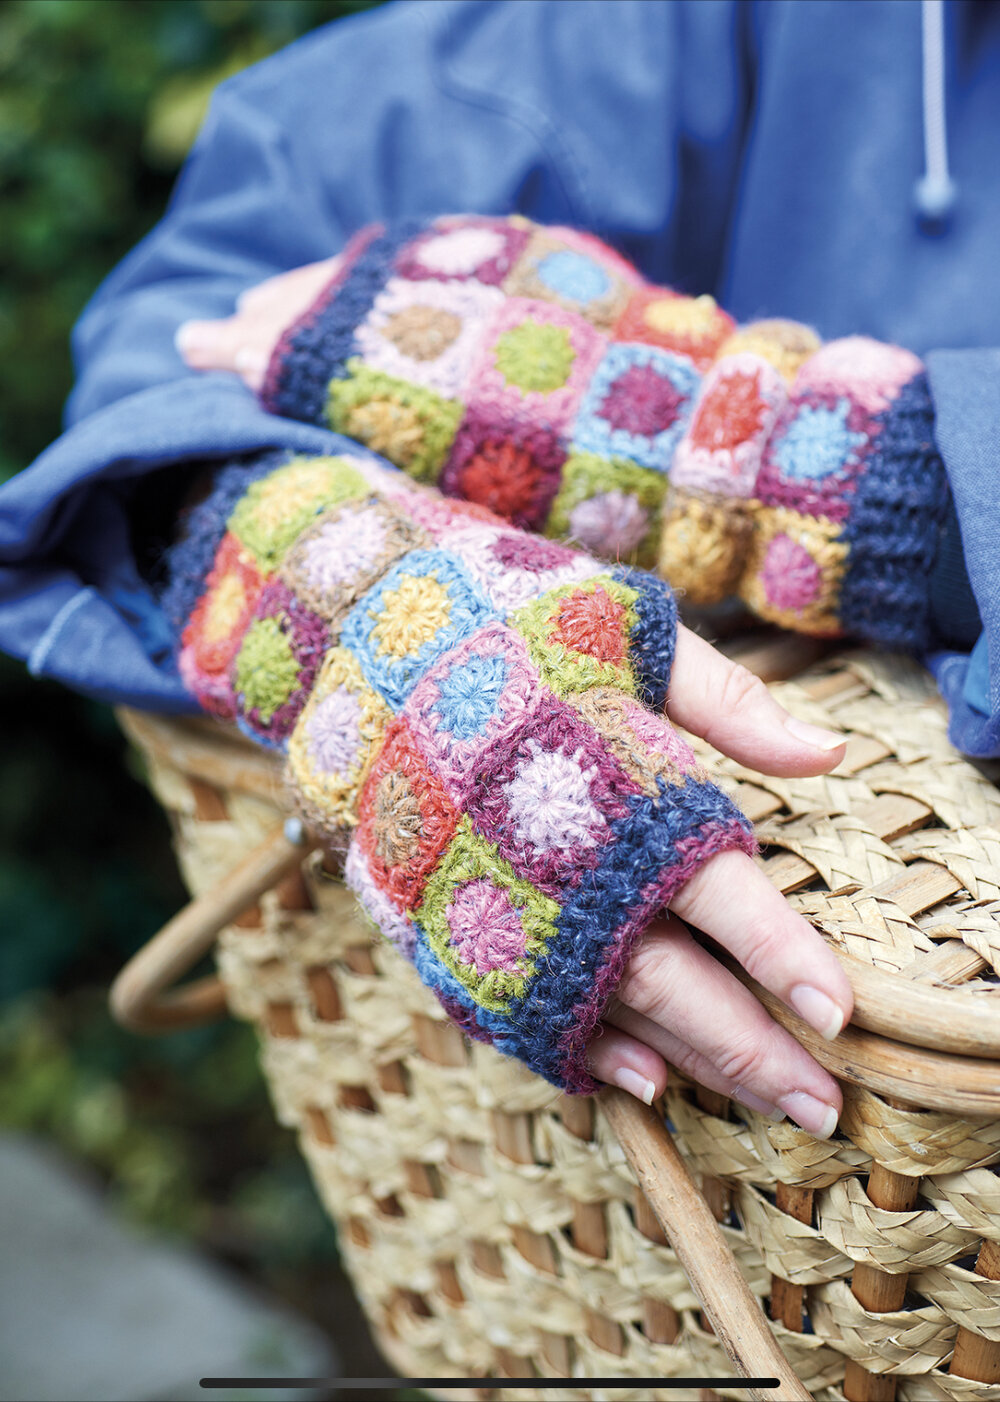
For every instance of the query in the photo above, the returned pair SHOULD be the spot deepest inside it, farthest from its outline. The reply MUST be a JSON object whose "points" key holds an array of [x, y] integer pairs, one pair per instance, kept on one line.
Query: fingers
{"points": [[817, 1117], [732, 900], [680, 1001], [284, 289], [216, 345], [244, 343], [624, 1061], [734, 711]]}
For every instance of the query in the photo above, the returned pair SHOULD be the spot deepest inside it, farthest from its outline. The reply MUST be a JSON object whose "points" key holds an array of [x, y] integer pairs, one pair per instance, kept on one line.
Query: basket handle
{"points": [[142, 997], [143, 1000], [701, 1248]]}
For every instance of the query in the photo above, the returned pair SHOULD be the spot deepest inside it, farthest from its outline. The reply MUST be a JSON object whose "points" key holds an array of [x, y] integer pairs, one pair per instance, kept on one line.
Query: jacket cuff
{"points": [[315, 349]]}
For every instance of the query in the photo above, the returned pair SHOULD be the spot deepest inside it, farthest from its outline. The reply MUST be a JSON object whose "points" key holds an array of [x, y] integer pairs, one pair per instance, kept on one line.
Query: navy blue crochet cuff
{"points": [[316, 348], [895, 528]]}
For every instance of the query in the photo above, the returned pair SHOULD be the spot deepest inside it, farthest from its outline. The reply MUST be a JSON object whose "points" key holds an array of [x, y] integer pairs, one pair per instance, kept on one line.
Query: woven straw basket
{"points": [[496, 1228]]}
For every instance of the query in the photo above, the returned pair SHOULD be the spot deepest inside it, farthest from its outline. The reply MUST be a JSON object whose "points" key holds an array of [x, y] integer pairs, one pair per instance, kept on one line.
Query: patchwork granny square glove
{"points": [[532, 370], [529, 369], [821, 502], [473, 714]]}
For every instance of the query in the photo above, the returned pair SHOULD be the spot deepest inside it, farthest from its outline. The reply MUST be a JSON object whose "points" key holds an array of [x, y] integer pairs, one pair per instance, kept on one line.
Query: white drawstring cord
{"points": [[935, 191]]}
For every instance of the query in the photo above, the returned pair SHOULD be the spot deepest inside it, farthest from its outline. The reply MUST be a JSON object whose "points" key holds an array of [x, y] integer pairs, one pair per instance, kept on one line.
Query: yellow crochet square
{"points": [[334, 743], [795, 567], [408, 424]]}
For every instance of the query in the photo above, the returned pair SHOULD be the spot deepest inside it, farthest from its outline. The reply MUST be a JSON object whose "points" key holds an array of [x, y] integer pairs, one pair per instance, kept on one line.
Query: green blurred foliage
{"points": [[99, 102]]}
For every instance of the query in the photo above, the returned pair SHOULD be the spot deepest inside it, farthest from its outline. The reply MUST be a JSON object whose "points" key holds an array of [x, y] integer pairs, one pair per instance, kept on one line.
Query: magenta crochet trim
{"points": [[694, 852]]}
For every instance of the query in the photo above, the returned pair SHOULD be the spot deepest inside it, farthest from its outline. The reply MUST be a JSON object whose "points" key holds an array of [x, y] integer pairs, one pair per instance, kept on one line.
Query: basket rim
{"points": [[953, 1032]]}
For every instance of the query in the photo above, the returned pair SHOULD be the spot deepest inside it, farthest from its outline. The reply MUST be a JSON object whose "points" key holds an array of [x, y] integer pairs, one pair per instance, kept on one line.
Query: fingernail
{"points": [[191, 336], [817, 1009], [813, 735], [816, 1116], [627, 1079], [754, 1102], [249, 361]]}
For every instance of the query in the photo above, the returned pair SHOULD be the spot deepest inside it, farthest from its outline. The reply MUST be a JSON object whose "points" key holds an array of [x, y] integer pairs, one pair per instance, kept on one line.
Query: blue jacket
{"points": [[766, 152]]}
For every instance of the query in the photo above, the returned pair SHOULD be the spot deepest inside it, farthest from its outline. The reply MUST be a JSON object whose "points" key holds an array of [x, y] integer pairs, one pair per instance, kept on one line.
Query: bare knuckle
{"points": [[742, 690], [743, 1058], [764, 949], [690, 1063], [640, 987]]}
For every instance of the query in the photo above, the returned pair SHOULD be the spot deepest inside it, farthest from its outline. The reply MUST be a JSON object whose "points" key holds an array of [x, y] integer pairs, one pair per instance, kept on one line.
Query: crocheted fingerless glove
{"points": [[475, 713], [819, 499], [532, 370]]}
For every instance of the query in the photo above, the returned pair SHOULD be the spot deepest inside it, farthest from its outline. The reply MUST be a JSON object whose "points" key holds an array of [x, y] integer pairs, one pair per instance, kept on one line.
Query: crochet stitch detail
{"points": [[532, 371], [460, 708]]}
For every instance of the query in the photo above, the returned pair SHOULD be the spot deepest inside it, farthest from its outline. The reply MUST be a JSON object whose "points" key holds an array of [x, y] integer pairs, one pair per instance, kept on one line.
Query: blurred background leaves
{"points": [[99, 103]]}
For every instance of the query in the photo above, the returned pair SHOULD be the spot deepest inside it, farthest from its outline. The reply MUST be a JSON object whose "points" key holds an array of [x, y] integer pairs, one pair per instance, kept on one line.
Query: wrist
{"points": [[852, 496]]}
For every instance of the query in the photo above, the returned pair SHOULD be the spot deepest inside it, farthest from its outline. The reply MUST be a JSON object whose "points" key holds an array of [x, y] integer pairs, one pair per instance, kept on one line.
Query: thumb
{"points": [[733, 710]]}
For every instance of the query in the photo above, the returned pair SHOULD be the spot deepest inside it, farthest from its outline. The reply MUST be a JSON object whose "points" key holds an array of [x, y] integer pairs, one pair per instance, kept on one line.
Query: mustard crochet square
{"points": [[408, 424]]}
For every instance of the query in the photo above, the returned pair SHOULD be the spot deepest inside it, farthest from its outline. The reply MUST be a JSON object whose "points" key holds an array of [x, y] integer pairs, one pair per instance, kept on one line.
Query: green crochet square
{"points": [[276, 509], [411, 426], [598, 494], [579, 635], [486, 925]]}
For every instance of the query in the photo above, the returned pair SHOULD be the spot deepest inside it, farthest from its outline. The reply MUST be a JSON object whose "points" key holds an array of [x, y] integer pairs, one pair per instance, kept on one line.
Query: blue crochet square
{"points": [[637, 405], [424, 605]]}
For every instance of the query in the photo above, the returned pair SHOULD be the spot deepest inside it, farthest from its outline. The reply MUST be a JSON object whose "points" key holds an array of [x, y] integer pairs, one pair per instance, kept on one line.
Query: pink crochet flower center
{"points": [[461, 251], [334, 731], [486, 930], [523, 553], [789, 574], [343, 548], [871, 372], [609, 522], [641, 401], [549, 803], [658, 736]]}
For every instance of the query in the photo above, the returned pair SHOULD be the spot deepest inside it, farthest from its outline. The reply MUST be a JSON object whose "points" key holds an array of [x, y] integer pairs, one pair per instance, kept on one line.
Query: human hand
{"points": [[676, 1003], [658, 1014], [244, 342]]}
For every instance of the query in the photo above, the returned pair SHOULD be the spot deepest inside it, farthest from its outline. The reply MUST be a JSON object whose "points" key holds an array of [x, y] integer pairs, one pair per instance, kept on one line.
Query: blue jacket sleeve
{"points": [[626, 118], [966, 389]]}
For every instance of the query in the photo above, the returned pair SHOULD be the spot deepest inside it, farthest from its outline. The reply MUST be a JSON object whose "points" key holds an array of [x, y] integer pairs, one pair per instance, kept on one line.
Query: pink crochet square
{"points": [[514, 568], [426, 332], [461, 248], [548, 796], [739, 403], [476, 695], [533, 365]]}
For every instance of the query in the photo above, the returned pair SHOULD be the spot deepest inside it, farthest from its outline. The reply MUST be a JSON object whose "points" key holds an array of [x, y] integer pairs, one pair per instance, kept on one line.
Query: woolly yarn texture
{"points": [[533, 371], [473, 713]]}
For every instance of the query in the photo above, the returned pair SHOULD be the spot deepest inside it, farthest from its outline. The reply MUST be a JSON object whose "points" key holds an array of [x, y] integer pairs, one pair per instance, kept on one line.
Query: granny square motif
{"points": [[637, 405], [547, 795], [423, 605], [405, 818], [478, 694]]}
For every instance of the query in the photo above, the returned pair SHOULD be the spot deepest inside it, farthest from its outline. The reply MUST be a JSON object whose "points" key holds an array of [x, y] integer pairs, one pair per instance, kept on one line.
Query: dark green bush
{"points": [[99, 101]]}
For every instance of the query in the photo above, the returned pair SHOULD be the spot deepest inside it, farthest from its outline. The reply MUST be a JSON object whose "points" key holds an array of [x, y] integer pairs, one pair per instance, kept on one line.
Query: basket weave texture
{"points": [[493, 1227]]}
